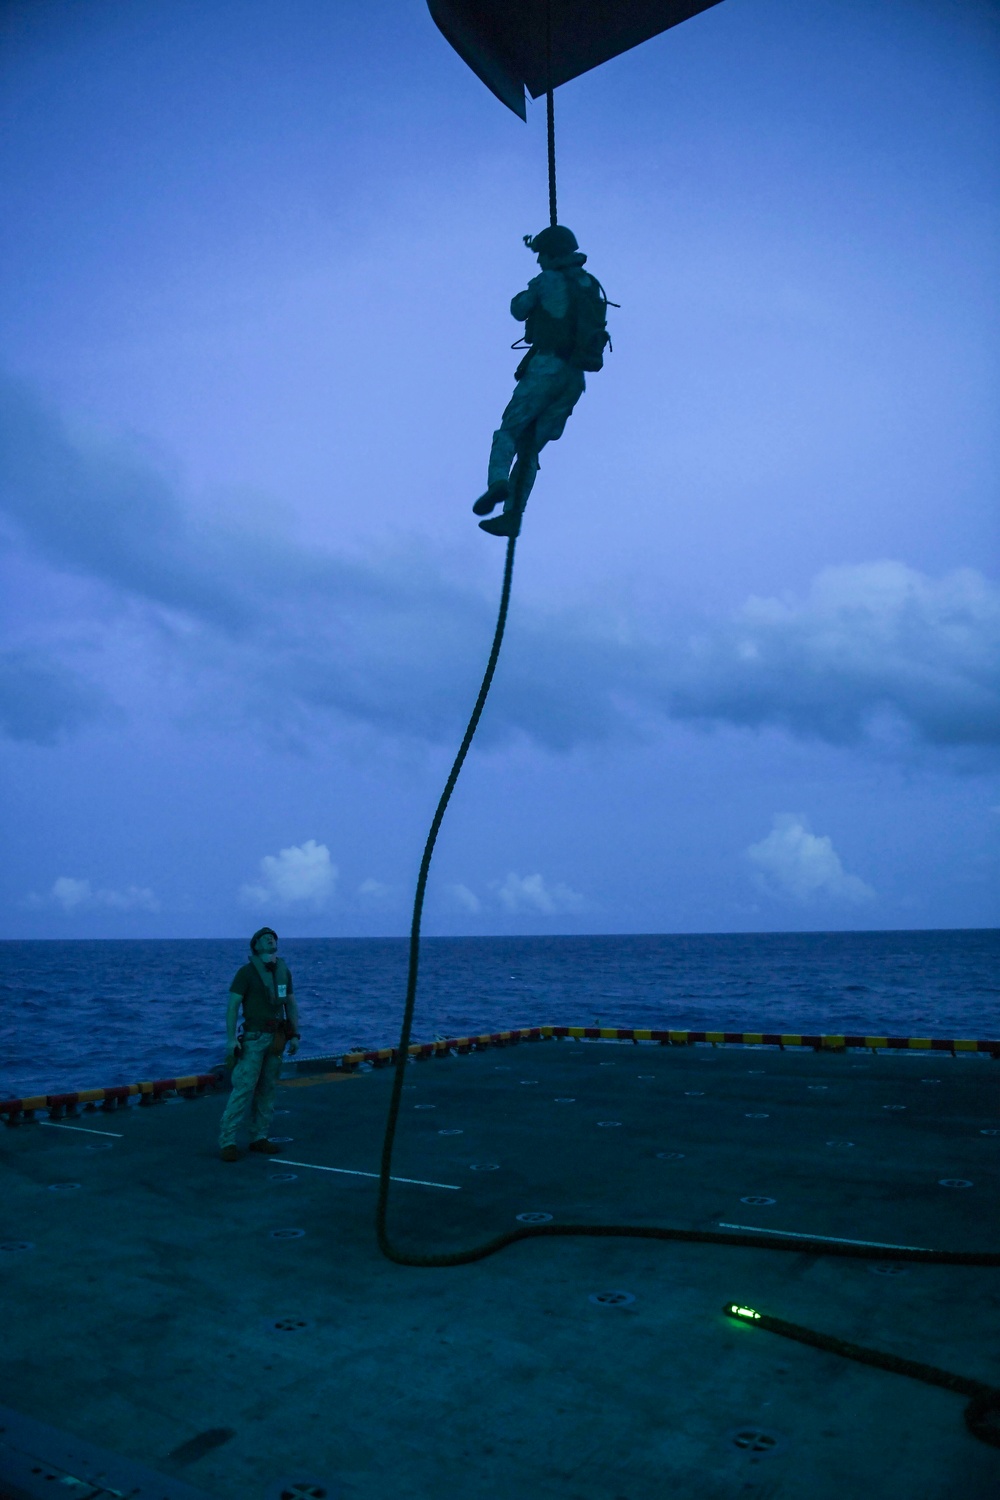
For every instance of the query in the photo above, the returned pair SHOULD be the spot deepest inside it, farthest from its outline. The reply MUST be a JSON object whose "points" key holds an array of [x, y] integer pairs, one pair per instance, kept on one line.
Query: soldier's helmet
{"points": [[555, 242], [259, 934]]}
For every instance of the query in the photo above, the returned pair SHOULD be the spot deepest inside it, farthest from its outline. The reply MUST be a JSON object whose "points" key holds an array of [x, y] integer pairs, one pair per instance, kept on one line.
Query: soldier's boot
{"points": [[229, 1153], [493, 496], [507, 524], [268, 1147]]}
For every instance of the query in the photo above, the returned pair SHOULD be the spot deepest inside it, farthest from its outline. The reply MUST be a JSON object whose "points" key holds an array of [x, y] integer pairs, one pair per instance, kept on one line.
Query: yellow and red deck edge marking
{"points": [[112, 1098], [12, 1110], [382, 1056]]}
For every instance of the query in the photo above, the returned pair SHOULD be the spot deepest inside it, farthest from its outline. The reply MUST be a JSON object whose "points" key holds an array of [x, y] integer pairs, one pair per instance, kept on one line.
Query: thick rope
{"points": [[418, 907], [550, 120], [550, 114], [794, 1243], [982, 1415]]}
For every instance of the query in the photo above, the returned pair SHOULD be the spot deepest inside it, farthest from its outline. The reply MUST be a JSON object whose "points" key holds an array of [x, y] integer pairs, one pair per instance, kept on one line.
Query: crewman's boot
{"points": [[495, 495], [268, 1147], [229, 1153], [507, 524]]}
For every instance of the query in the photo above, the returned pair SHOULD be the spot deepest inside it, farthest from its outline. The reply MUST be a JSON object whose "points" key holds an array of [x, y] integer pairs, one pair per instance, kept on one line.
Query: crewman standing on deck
{"points": [[263, 987]]}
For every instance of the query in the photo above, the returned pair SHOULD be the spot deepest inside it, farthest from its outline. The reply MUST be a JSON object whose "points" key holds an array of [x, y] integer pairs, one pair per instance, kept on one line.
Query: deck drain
{"points": [[282, 1140], [887, 1268], [930, 1080], [612, 1299], [605, 1124], [451, 1132], [425, 1106], [62, 1187], [302, 1489], [15, 1247], [287, 1234], [894, 1106], [756, 1117], [605, 1065], [283, 1177], [529, 1080], [755, 1072], [989, 1132], [281, 1111], [288, 1325], [670, 1155], [757, 1201], [102, 1145], [694, 1093], [751, 1439], [175, 1100], [485, 1166], [645, 1075], [954, 1182], [573, 1101], [501, 1067], [531, 1218], [817, 1088], [840, 1145]]}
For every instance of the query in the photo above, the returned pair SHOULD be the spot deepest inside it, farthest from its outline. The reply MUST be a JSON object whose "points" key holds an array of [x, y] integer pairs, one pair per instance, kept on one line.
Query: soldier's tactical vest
{"points": [[581, 336], [262, 1008]]}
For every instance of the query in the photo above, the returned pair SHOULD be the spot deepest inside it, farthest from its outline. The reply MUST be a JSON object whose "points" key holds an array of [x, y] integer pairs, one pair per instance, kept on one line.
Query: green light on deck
{"points": [[746, 1314]]}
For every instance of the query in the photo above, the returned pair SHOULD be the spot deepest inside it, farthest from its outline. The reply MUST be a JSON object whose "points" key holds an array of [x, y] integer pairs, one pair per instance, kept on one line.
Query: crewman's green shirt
{"points": [[259, 1004]]}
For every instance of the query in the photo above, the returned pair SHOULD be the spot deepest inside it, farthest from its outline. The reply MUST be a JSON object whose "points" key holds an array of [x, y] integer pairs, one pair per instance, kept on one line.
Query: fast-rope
{"points": [[987, 1399]]}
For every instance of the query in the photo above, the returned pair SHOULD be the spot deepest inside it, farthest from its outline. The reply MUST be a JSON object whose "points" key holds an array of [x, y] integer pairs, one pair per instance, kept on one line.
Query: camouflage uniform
{"points": [[255, 1085], [545, 394]]}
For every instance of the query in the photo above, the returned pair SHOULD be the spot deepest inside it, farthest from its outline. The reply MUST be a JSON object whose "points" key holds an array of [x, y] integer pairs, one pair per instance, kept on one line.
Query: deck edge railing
{"points": [[14, 1111]]}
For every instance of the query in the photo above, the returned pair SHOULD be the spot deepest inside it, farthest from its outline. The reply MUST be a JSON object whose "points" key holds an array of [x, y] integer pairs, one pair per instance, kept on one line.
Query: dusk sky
{"points": [[256, 265]]}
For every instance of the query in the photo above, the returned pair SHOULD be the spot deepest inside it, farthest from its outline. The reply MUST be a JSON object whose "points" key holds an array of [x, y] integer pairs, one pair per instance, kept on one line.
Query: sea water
{"points": [[77, 1015]]}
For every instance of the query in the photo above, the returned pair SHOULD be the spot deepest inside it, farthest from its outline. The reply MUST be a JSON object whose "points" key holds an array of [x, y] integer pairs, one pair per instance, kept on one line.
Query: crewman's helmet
{"points": [[259, 934], [555, 242]]}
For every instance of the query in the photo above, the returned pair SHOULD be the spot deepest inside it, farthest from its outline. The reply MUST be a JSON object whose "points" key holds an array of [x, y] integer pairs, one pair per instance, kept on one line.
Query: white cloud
{"points": [[530, 893], [793, 862], [463, 898], [373, 890], [301, 874], [78, 895], [871, 650]]}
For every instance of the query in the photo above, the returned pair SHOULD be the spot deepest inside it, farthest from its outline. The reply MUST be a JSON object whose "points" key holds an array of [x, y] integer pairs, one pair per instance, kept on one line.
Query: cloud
{"points": [[41, 700], [875, 654], [872, 650], [78, 895], [463, 898], [302, 874], [374, 890], [529, 893], [794, 863]]}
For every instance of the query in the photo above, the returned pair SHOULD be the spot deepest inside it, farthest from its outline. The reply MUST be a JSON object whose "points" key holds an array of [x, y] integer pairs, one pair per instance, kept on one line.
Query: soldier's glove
{"points": [[293, 1044]]}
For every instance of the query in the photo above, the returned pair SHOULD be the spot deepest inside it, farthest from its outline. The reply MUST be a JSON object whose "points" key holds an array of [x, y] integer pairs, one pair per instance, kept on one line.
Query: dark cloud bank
{"points": [[873, 653]]}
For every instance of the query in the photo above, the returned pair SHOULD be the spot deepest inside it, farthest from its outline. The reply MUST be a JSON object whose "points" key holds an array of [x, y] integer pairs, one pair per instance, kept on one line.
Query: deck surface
{"points": [[160, 1303]]}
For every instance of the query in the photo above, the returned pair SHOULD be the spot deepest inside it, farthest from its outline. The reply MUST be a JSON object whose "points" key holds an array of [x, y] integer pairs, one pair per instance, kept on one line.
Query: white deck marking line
{"points": [[831, 1239], [84, 1128], [283, 1161]]}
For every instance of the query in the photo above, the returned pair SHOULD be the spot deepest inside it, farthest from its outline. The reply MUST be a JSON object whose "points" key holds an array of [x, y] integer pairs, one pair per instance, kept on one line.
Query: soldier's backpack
{"points": [[589, 303]]}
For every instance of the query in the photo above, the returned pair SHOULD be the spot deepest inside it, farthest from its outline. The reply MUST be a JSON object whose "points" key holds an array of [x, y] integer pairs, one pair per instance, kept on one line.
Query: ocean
{"points": [[79, 1015]]}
